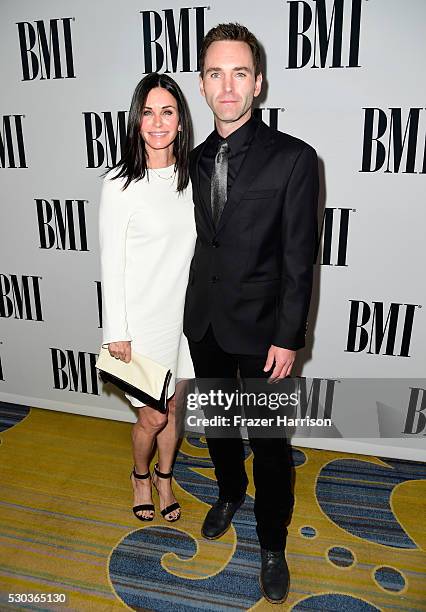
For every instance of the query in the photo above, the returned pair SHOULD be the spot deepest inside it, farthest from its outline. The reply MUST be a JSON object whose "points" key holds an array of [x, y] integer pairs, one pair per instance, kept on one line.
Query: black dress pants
{"points": [[271, 456]]}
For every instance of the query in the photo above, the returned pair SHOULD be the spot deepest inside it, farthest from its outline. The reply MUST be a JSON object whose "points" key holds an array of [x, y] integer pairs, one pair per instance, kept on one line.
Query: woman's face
{"points": [[160, 120]]}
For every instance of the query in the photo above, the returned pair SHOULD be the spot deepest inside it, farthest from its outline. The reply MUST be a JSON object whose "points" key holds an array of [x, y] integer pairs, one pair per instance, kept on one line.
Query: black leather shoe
{"points": [[274, 576], [219, 517]]}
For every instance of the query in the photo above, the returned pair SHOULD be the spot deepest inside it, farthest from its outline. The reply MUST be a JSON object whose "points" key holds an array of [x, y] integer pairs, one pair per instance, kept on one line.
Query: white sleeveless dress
{"points": [[147, 238]]}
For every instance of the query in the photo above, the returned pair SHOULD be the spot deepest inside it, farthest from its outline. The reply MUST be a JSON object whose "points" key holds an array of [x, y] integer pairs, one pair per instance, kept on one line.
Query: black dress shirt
{"points": [[238, 143]]}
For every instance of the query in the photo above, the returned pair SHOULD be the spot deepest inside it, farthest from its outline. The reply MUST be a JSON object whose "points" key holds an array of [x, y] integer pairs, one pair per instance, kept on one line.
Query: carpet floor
{"points": [[357, 540]]}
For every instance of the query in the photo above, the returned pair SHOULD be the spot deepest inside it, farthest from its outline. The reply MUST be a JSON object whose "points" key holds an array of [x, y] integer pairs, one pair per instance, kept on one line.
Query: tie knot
{"points": [[223, 148]]}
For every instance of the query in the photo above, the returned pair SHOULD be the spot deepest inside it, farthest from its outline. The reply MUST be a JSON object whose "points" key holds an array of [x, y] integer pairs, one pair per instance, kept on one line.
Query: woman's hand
{"points": [[120, 350]]}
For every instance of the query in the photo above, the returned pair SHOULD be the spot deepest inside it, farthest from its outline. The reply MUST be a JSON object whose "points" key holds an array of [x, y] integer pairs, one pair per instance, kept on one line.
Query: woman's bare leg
{"points": [[150, 422], [167, 440]]}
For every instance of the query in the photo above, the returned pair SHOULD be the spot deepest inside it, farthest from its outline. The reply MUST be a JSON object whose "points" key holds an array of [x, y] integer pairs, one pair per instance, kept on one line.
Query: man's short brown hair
{"points": [[231, 31]]}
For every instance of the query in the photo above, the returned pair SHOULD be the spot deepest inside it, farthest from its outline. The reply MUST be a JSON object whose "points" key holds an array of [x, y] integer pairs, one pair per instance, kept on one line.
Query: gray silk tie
{"points": [[219, 182]]}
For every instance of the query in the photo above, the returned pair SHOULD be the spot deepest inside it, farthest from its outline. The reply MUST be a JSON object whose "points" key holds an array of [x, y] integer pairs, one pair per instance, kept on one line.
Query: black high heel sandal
{"points": [[149, 507], [172, 507]]}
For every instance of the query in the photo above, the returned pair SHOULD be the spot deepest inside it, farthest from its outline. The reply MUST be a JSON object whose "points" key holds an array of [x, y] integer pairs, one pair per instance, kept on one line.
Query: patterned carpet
{"points": [[357, 540]]}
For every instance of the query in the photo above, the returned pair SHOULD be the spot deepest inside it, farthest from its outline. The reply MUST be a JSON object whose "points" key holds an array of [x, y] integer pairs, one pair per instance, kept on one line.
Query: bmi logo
{"points": [[62, 225], [20, 297], [333, 244], [105, 138], [172, 39], [99, 297], [74, 371], [415, 421], [391, 141], [12, 148], [321, 392], [46, 49], [324, 33], [374, 331], [269, 116]]}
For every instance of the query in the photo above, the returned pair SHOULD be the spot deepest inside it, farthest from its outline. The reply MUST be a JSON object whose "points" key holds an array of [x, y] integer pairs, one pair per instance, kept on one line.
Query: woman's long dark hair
{"points": [[133, 164]]}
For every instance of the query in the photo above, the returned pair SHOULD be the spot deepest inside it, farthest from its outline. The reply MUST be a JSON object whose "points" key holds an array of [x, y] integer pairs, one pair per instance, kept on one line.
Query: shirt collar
{"points": [[239, 138]]}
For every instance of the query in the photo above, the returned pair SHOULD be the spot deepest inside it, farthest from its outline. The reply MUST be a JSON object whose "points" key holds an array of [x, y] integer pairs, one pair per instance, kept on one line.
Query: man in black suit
{"points": [[255, 194]]}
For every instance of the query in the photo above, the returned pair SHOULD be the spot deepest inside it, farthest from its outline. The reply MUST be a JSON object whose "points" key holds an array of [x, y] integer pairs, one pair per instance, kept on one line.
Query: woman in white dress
{"points": [[147, 237]]}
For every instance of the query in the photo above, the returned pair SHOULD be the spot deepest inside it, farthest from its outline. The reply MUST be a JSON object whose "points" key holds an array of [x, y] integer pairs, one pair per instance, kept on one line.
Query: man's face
{"points": [[229, 83]]}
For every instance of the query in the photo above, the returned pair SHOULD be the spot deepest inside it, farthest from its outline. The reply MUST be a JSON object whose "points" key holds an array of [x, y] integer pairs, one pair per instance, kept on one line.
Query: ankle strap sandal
{"points": [[168, 509], [141, 507]]}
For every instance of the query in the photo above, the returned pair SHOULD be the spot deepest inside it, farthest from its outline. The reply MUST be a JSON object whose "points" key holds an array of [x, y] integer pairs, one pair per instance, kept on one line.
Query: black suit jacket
{"points": [[251, 277]]}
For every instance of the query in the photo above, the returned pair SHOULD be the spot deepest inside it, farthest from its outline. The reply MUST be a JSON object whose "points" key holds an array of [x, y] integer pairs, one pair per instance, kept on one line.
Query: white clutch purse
{"points": [[142, 378]]}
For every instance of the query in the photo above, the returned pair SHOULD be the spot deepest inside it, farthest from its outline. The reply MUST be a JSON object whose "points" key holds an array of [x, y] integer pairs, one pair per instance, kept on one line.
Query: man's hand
{"points": [[120, 350], [283, 359]]}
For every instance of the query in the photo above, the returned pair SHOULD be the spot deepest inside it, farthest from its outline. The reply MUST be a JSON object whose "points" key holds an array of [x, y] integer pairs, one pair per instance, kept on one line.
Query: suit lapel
{"points": [[257, 156]]}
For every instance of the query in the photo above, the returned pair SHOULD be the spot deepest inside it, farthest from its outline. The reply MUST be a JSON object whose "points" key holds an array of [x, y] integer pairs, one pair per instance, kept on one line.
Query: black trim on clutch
{"points": [[158, 404]]}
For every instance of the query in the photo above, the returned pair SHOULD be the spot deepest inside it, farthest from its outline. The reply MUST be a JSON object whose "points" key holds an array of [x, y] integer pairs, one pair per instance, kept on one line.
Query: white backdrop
{"points": [[68, 71]]}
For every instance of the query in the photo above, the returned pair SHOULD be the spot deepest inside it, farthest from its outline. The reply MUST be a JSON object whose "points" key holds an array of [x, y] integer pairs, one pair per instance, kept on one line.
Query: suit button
{"points": [[215, 279], [215, 244]]}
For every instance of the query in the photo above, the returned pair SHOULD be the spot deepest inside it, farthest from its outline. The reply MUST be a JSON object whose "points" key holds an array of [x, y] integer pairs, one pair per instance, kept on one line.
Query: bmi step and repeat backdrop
{"points": [[347, 76]]}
